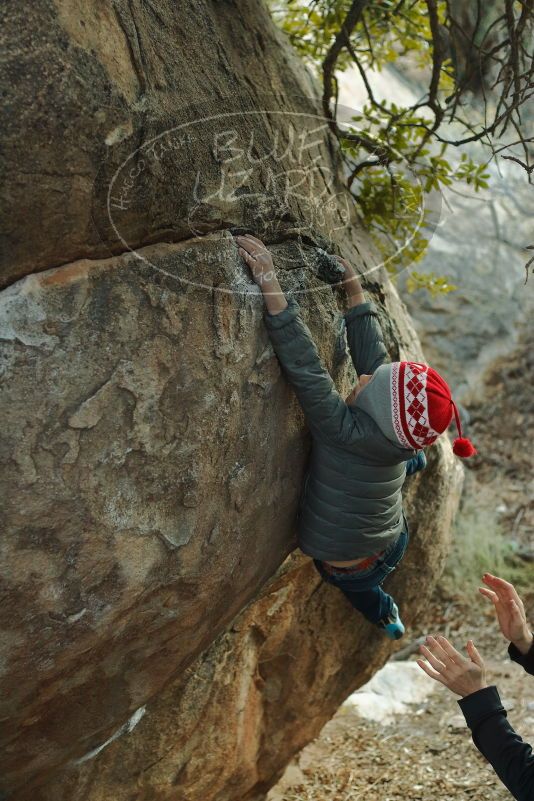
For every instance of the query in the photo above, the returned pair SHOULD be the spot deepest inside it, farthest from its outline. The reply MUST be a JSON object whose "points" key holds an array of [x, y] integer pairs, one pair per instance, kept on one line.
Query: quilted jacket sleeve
{"points": [[365, 338], [327, 414]]}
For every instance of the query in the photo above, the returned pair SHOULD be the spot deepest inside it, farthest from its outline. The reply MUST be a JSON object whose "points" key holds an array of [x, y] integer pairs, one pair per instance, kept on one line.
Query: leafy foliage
{"points": [[434, 284], [390, 190]]}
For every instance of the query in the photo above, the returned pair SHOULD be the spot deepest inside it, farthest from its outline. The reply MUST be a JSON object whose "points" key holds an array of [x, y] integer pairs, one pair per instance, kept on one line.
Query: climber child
{"points": [[351, 520]]}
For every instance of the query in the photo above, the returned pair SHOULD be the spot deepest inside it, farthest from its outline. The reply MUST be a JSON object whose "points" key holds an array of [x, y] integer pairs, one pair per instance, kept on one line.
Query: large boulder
{"points": [[152, 449]]}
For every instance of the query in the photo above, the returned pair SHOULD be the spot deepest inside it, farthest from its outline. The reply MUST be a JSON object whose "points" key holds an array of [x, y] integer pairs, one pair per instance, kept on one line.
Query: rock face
{"points": [[264, 689], [132, 123], [152, 450]]}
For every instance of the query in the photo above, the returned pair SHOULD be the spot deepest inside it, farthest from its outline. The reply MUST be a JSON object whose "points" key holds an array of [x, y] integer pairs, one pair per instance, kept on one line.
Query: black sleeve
{"points": [[526, 661], [365, 338], [511, 758]]}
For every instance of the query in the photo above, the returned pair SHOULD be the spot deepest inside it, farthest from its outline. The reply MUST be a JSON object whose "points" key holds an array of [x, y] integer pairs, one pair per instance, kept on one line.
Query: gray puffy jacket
{"points": [[351, 504]]}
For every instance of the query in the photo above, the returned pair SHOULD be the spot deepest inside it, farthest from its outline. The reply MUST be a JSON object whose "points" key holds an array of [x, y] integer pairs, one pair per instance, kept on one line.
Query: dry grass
{"points": [[480, 545]]}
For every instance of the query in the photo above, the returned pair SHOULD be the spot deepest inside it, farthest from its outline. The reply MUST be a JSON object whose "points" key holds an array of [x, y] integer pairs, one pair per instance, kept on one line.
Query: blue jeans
{"points": [[416, 464], [363, 588]]}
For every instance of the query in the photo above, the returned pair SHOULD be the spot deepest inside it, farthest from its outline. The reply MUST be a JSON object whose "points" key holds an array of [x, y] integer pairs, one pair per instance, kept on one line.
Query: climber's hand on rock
{"points": [[258, 259], [510, 611], [350, 272], [448, 666], [352, 283]]}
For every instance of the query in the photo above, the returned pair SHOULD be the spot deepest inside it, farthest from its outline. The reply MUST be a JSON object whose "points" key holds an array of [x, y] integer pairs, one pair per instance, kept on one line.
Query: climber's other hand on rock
{"points": [[257, 258], [448, 666], [352, 283], [349, 270]]}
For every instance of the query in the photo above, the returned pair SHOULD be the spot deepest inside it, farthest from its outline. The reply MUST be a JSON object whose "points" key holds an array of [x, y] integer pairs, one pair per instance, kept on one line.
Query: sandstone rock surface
{"points": [[227, 727], [122, 125], [152, 451]]}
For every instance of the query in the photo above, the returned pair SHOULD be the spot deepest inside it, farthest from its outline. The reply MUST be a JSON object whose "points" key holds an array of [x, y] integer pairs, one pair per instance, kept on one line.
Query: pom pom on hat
{"points": [[463, 447]]}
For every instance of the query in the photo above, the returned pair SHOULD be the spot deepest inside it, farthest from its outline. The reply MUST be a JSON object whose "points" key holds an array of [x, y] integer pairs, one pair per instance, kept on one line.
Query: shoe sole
{"points": [[394, 633]]}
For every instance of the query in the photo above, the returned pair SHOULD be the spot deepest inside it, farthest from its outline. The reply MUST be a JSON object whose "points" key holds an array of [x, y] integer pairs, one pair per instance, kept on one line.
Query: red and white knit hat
{"points": [[412, 405]]}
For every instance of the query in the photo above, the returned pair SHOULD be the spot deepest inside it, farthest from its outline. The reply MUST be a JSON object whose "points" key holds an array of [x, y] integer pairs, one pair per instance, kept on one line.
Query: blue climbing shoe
{"points": [[392, 624], [416, 464]]}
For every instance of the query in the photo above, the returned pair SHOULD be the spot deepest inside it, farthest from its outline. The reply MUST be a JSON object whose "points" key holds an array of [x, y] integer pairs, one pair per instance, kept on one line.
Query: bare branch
{"points": [[498, 62], [349, 23]]}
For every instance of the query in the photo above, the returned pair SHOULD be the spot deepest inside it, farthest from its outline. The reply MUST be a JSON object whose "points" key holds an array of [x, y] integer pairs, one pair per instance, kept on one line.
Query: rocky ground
{"points": [[427, 753], [423, 755]]}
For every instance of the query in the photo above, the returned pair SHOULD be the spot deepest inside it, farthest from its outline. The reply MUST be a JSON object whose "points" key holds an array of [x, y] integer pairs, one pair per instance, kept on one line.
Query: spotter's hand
{"points": [[510, 611], [448, 666]]}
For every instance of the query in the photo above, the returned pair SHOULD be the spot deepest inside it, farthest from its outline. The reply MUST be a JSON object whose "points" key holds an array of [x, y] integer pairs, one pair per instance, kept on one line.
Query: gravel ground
{"points": [[424, 755]]}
